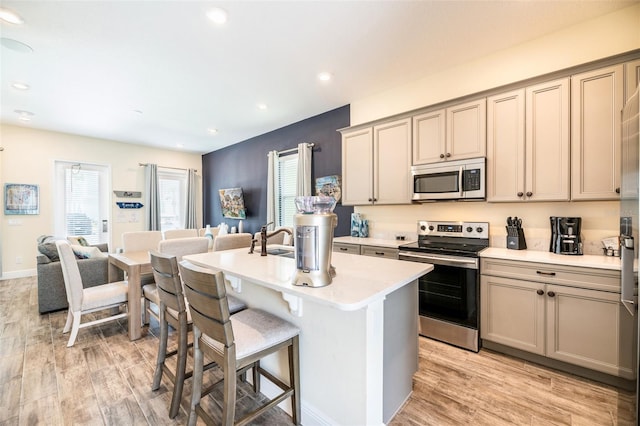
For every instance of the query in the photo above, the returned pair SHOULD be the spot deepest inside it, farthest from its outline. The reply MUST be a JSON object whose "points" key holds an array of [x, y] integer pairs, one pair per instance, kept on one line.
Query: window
{"points": [[173, 198], [82, 201], [287, 184]]}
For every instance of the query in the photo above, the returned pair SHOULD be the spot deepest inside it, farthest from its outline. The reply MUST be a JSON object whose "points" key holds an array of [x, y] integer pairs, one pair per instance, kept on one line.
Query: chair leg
{"points": [[181, 366], [162, 351], [229, 393], [294, 379], [67, 325], [256, 376], [198, 365], [145, 312], [74, 329]]}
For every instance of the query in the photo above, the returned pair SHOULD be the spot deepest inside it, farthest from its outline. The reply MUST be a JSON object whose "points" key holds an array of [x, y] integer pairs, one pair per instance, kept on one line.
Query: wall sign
{"points": [[128, 194], [124, 205]]}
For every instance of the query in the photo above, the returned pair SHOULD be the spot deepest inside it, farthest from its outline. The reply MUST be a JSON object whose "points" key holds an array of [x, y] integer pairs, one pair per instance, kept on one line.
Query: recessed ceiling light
{"points": [[23, 115], [179, 145], [10, 16], [15, 45], [262, 106], [217, 15], [212, 131], [20, 85], [324, 76]]}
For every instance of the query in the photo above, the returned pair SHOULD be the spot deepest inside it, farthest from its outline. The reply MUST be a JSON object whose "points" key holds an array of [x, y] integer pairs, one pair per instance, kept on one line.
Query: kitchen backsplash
{"points": [[600, 219]]}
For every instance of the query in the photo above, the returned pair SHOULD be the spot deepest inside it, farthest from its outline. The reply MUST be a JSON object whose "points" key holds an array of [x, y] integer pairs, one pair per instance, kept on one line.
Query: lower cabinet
{"points": [[376, 251], [581, 326]]}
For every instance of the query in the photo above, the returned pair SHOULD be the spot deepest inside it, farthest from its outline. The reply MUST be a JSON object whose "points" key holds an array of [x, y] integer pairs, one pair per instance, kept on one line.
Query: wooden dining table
{"points": [[134, 264]]}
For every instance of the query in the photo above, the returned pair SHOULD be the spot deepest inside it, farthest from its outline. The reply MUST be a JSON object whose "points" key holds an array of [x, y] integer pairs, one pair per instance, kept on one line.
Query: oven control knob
{"points": [[423, 227], [479, 229], [469, 229], [431, 228]]}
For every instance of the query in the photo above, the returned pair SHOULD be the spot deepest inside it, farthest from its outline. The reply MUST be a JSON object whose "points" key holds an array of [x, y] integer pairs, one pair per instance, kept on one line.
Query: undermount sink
{"points": [[279, 250]]}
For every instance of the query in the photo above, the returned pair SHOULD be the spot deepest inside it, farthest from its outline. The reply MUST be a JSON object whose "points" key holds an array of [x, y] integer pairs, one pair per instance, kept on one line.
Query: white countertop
{"points": [[585, 261], [378, 242], [359, 280]]}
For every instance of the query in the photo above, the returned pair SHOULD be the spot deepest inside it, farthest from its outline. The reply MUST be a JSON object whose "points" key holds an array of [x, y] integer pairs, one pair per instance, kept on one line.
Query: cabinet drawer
{"points": [[346, 248], [589, 278], [389, 253]]}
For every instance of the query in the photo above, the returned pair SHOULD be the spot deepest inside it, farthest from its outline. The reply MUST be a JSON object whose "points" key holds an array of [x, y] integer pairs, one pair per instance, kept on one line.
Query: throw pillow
{"points": [[78, 241], [50, 250], [84, 252]]}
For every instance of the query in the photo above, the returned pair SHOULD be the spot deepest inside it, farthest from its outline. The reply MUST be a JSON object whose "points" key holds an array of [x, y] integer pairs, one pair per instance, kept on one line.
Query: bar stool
{"points": [[174, 311], [237, 343]]}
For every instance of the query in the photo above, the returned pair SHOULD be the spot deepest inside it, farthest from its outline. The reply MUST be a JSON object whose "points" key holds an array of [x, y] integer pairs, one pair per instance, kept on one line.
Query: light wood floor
{"points": [[105, 380]]}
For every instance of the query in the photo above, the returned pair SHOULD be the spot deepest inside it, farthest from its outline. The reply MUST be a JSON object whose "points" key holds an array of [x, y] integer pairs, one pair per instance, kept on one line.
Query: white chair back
{"points": [[141, 240], [179, 247], [232, 241], [180, 233], [71, 274]]}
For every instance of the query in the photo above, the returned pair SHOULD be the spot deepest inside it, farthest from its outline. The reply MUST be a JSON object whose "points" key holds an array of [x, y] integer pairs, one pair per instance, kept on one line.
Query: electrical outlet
{"points": [[18, 260]]}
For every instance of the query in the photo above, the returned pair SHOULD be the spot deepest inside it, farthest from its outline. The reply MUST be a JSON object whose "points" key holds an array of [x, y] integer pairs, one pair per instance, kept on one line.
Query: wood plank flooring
{"points": [[105, 380]]}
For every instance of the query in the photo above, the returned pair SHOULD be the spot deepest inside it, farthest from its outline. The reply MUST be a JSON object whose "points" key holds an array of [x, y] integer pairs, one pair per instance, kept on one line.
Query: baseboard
{"points": [[10, 275], [598, 376]]}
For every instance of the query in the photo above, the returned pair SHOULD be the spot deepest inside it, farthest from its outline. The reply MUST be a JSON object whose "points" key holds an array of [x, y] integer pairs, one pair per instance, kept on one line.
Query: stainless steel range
{"points": [[449, 296]]}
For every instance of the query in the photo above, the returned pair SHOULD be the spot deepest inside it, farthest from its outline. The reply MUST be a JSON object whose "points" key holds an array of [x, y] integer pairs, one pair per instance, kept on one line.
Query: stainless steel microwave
{"points": [[453, 180]]}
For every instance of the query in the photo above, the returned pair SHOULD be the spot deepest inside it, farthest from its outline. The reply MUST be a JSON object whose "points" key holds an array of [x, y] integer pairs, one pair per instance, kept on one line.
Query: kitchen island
{"points": [[359, 335]]}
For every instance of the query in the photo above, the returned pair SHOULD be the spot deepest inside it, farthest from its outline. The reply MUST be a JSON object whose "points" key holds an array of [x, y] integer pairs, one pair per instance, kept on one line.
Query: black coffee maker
{"points": [[565, 235]]}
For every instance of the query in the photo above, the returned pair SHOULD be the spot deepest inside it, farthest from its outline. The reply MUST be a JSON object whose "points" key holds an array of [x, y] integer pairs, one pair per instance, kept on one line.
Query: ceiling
{"points": [[161, 73]]}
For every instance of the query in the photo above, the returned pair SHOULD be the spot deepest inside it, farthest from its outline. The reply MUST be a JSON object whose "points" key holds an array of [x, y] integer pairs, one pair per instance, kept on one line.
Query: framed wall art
{"points": [[329, 186], [232, 203], [21, 198]]}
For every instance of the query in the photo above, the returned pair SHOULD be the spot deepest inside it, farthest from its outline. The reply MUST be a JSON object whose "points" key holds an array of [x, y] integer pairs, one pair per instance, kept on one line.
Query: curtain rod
{"points": [[166, 167], [311, 145]]}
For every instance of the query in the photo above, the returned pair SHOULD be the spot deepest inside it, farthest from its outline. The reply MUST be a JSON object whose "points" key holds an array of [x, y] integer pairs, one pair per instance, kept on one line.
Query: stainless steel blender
{"points": [[313, 229]]}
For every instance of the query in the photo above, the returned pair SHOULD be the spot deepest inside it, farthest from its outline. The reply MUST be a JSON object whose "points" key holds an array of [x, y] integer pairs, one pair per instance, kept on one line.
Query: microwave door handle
{"points": [[628, 281], [460, 181]]}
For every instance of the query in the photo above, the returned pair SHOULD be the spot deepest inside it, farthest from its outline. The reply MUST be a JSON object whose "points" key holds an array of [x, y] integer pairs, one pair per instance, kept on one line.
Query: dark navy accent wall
{"points": [[245, 165]]}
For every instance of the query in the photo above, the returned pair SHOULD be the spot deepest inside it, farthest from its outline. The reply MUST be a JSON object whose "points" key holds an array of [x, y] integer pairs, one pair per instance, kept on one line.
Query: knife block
{"points": [[517, 242]]}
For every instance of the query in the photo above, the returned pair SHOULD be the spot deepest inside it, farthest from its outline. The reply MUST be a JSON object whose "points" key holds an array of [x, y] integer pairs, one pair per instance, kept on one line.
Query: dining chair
{"points": [[232, 241], [87, 300], [174, 311], [282, 238], [180, 233], [143, 241], [236, 343]]}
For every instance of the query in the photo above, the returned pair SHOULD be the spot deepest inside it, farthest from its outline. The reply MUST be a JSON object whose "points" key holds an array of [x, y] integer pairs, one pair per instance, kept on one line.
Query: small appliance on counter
{"points": [[313, 229], [515, 234], [566, 235]]}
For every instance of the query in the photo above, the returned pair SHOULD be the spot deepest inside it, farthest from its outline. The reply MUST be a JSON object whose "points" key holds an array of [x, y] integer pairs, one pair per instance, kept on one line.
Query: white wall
{"points": [[603, 37], [29, 156]]}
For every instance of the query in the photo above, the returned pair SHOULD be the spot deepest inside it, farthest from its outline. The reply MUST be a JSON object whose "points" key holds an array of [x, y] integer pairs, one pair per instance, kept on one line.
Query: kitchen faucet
{"points": [[263, 238]]}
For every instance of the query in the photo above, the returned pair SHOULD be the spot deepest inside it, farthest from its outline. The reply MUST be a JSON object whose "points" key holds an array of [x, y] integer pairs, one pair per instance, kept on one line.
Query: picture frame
{"points": [[21, 199], [232, 203], [329, 186]]}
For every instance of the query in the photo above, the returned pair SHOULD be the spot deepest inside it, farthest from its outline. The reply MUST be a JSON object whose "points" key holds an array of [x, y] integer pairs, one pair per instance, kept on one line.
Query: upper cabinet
{"points": [[453, 133], [632, 73], [528, 143], [376, 164], [597, 98]]}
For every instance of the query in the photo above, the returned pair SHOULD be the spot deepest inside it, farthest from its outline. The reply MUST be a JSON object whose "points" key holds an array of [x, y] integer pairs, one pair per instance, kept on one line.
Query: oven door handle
{"points": [[470, 263]]}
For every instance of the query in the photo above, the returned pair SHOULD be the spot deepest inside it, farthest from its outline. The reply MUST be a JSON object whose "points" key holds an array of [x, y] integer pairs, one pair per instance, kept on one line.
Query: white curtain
{"points": [[272, 188], [191, 220], [304, 169], [152, 197]]}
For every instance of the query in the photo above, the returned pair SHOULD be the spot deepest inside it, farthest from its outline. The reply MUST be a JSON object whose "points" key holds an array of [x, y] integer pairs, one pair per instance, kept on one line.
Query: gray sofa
{"points": [[52, 295]]}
